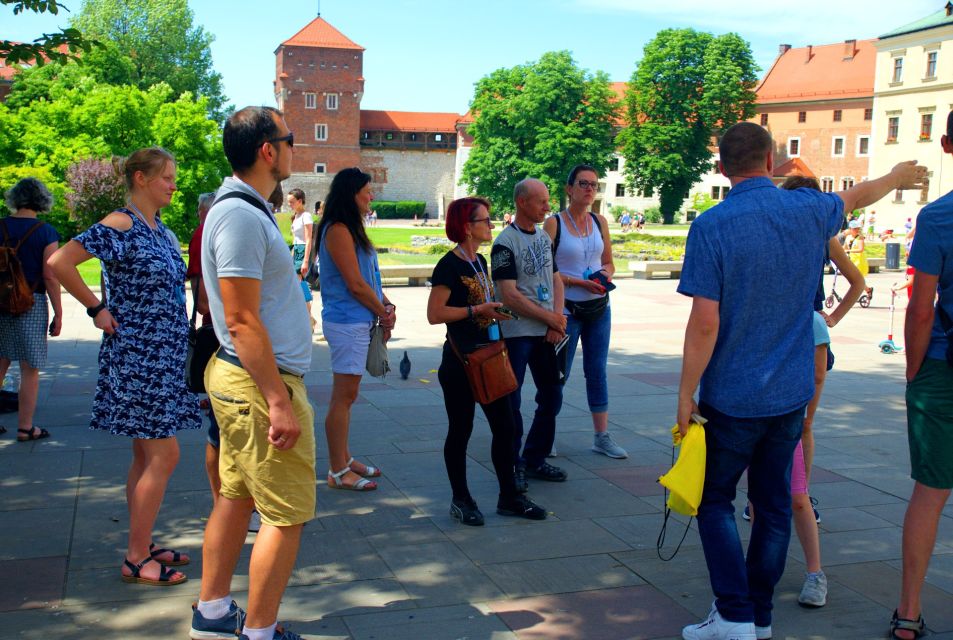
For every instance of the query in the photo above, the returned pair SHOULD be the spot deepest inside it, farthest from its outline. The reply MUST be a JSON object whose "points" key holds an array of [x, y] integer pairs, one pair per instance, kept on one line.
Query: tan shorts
{"points": [[280, 482]]}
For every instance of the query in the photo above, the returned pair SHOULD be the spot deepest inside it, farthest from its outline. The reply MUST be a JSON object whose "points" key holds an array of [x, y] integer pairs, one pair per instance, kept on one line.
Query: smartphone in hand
{"points": [[601, 277], [506, 311]]}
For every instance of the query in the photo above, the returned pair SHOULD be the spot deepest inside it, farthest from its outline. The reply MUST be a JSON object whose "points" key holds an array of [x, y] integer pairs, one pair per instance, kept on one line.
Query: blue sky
{"points": [[425, 55]]}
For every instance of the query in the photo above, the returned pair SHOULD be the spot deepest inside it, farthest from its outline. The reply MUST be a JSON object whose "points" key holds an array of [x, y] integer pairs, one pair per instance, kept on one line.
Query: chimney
{"points": [[850, 49], [949, 8], [810, 52], [784, 48]]}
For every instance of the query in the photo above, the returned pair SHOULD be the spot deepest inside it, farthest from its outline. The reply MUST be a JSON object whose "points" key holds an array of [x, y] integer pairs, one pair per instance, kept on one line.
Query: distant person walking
{"points": [[855, 245], [583, 251], [302, 231], [141, 392], [23, 336]]}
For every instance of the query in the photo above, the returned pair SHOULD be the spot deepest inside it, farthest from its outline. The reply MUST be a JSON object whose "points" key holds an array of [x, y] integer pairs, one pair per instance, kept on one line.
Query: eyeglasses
{"points": [[585, 184], [290, 139], [487, 220]]}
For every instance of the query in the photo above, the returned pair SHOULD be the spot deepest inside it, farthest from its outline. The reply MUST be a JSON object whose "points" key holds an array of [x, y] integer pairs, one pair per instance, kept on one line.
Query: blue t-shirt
{"points": [[740, 254], [932, 253], [30, 252]]}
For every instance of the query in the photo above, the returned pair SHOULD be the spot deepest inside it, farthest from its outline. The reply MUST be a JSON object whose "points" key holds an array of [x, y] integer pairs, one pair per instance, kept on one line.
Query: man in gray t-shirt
{"points": [[255, 384], [523, 268]]}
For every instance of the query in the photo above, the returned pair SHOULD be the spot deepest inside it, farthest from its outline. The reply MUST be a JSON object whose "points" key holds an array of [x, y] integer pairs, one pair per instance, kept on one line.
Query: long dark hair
{"points": [[341, 207]]}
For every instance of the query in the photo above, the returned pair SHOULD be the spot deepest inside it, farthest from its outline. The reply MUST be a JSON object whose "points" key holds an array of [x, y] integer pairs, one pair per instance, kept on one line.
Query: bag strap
{"points": [[455, 350], [595, 219], [6, 236], [253, 201], [559, 231], [195, 307]]}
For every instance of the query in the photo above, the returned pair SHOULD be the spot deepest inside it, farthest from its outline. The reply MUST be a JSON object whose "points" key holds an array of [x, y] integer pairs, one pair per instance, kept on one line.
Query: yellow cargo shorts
{"points": [[282, 483]]}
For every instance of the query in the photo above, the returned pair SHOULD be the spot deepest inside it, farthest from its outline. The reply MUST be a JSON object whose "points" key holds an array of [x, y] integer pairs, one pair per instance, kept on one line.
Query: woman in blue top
{"points": [[141, 392], [23, 337], [352, 303]]}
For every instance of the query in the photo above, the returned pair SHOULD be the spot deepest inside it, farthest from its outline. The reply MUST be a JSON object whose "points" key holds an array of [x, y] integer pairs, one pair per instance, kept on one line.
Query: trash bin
{"points": [[893, 256]]}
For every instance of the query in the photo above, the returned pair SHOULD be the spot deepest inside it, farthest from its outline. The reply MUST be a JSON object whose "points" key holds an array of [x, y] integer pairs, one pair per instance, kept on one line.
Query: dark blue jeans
{"points": [[540, 356], [744, 586], [595, 353]]}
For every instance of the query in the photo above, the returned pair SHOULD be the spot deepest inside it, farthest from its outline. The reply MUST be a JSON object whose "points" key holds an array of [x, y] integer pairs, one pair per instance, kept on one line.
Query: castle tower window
{"points": [[321, 132], [331, 101], [310, 101], [320, 167]]}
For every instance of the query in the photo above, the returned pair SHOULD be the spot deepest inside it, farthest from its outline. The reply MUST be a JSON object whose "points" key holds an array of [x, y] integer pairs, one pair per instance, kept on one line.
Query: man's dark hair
{"points": [[801, 182], [571, 180], [298, 195], [949, 126], [744, 149], [245, 132], [340, 206]]}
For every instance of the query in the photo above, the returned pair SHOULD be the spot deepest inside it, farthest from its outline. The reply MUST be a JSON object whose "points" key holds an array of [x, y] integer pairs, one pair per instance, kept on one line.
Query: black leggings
{"points": [[460, 409]]}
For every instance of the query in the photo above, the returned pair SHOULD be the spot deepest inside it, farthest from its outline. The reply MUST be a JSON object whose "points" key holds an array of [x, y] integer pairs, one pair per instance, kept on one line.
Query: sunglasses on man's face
{"points": [[290, 139]]}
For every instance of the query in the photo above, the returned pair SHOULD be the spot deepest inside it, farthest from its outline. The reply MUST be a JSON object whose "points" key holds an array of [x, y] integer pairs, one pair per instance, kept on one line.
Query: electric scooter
{"points": [[888, 346]]}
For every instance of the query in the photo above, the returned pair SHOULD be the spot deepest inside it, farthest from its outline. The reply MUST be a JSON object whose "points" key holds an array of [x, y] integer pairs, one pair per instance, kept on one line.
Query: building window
{"points": [[438, 137], [331, 101], [868, 114], [926, 126], [837, 146], [764, 119], [863, 145], [794, 147], [389, 135], [838, 115], [827, 185], [621, 164], [802, 116], [320, 132], [931, 64], [897, 69], [893, 128], [846, 183], [620, 191], [320, 167], [898, 196], [310, 101], [719, 193]]}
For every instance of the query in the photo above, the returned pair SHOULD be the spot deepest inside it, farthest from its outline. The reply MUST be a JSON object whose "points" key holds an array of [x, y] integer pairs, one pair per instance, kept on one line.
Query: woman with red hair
{"points": [[462, 297]]}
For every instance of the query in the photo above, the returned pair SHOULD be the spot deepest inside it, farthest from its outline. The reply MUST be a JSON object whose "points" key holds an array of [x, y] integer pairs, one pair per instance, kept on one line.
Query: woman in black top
{"points": [[462, 297]]}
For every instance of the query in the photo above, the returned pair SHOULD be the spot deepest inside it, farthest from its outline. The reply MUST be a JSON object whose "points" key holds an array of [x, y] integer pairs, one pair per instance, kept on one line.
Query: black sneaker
{"points": [[520, 476], [466, 511], [522, 507], [547, 472]]}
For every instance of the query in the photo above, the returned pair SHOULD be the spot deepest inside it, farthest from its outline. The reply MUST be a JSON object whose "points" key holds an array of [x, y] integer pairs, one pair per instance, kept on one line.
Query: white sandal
{"points": [[370, 472], [335, 481]]}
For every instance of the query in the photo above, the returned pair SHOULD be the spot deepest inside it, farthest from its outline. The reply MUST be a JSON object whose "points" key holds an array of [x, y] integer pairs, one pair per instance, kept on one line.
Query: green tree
{"points": [[59, 215], [162, 42], [60, 46], [688, 88], [539, 119]]}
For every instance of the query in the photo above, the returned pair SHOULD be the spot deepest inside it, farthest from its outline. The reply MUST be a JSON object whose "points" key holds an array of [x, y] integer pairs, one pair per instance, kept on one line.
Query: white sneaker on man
{"points": [[717, 628]]}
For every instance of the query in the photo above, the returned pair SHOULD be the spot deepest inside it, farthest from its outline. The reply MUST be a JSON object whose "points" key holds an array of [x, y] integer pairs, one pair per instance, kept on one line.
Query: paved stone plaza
{"points": [[392, 564]]}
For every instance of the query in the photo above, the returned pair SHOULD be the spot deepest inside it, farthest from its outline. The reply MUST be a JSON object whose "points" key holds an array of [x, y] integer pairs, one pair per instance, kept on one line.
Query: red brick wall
{"points": [[321, 71]]}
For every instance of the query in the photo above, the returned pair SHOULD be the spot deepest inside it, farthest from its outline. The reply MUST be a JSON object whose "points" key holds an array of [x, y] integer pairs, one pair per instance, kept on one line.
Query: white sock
{"points": [[266, 633], [215, 609]]}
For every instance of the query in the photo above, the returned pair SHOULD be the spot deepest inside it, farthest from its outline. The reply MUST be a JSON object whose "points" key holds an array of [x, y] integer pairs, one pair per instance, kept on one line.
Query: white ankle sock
{"points": [[266, 633], [215, 609]]}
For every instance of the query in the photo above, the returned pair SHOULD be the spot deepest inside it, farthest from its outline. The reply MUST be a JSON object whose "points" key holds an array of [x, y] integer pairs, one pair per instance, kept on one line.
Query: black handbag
{"points": [[202, 346], [588, 310]]}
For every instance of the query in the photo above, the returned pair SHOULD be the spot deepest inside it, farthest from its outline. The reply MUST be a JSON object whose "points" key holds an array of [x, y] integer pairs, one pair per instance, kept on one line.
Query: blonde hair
{"points": [[150, 161]]}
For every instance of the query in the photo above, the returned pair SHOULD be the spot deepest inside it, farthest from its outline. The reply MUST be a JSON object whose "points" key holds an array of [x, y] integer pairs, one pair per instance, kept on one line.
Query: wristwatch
{"points": [[92, 312]]}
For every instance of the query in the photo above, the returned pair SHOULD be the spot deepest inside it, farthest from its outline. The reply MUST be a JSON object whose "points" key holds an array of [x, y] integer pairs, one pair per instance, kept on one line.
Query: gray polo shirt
{"points": [[239, 241], [527, 258]]}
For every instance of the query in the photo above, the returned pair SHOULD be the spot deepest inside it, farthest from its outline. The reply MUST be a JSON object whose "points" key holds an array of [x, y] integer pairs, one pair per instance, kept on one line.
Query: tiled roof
{"points": [[408, 121], [319, 33], [830, 73], [941, 18], [793, 167], [618, 88], [7, 72]]}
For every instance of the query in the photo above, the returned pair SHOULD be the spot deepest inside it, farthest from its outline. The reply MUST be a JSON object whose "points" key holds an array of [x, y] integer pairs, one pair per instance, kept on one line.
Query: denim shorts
{"points": [[822, 335], [348, 344]]}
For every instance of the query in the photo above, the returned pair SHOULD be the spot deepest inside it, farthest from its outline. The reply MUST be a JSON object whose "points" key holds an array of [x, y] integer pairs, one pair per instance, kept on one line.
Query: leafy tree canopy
{"points": [[538, 119], [61, 46], [162, 43], [688, 88]]}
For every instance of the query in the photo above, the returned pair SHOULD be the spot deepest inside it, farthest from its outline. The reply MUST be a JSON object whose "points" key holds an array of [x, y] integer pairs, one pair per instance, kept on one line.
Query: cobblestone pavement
{"points": [[392, 564]]}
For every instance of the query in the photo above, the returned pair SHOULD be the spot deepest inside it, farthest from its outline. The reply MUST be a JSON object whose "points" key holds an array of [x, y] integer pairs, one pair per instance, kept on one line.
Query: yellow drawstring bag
{"points": [[686, 479]]}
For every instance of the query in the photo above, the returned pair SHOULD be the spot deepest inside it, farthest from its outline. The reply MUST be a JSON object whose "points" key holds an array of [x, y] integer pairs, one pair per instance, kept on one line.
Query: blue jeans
{"points": [[743, 586], [540, 356], [595, 353]]}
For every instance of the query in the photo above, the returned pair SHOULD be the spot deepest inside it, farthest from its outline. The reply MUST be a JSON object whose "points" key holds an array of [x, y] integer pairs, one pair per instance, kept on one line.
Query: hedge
{"points": [[387, 209]]}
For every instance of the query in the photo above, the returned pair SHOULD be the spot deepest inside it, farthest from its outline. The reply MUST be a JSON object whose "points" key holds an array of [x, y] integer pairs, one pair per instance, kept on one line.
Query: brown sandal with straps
{"points": [[166, 576]]}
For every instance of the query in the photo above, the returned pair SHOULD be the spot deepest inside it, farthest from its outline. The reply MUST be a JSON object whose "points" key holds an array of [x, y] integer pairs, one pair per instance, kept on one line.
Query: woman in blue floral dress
{"points": [[141, 392]]}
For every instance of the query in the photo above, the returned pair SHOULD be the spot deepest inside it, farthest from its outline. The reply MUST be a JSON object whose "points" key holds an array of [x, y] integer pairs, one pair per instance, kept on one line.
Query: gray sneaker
{"points": [[814, 591], [604, 444]]}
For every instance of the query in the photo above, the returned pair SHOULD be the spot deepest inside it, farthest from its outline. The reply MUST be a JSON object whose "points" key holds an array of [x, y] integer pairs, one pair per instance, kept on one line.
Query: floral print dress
{"points": [[141, 391]]}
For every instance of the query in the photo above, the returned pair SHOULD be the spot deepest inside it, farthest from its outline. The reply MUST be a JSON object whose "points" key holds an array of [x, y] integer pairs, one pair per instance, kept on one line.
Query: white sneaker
{"points": [[254, 524], [604, 444], [762, 633], [717, 628], [814, 591]]}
